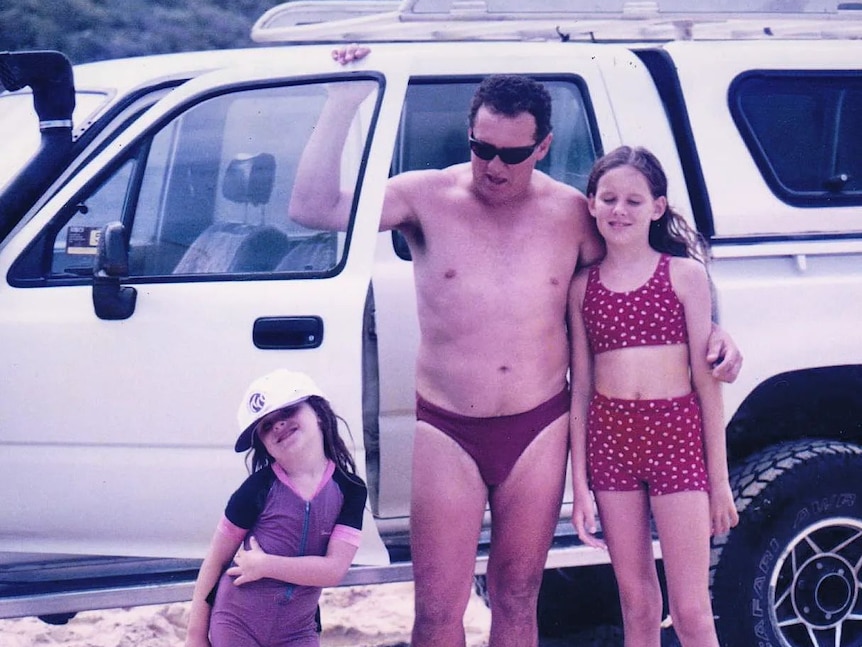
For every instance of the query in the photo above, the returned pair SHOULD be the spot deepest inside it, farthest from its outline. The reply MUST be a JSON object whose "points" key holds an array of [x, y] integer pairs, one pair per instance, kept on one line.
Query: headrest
{"points": [[249, 178]]}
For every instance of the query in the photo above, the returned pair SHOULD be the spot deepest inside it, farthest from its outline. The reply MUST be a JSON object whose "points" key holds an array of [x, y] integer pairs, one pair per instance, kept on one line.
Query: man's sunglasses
{"points": [[488, 152]]}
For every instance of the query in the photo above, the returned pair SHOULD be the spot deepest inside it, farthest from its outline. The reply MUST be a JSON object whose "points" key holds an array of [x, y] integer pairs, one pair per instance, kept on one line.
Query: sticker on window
{"points": [[82, 240]]}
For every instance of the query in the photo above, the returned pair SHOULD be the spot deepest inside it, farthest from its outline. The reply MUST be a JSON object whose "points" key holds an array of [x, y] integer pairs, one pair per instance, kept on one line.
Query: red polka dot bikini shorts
{"points": [[655, 445]]}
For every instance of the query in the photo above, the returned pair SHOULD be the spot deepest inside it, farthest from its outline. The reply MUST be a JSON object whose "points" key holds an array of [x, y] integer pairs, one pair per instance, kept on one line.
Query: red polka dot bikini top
{"points": [[651, 315]]}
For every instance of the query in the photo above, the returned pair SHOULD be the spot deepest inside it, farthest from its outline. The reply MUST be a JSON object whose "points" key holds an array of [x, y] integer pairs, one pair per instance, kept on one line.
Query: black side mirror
{"points": [[111, 300]]}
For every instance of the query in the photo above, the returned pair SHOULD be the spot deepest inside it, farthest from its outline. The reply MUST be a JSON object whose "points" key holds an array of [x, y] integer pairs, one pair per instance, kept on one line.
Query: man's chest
{"points": [[485, 243]]}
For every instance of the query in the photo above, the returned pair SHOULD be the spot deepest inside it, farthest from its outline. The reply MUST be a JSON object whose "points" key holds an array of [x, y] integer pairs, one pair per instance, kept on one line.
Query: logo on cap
{"points": [[256, 402]]}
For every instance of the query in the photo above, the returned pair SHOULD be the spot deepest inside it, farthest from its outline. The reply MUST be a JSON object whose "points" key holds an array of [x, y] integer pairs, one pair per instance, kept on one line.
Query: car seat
{"points": [[238, 247]]}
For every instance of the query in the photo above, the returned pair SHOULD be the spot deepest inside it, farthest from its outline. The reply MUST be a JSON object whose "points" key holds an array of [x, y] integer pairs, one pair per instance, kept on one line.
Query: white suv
{"points": [[120, 383]]}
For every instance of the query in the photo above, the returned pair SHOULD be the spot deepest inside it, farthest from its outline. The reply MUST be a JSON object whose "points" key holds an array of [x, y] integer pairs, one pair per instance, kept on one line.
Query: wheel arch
{"points": [[822, 402]]}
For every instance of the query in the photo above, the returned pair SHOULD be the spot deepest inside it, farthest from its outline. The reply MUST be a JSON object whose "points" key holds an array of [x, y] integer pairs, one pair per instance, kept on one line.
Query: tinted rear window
{"points": [[803, 130]]}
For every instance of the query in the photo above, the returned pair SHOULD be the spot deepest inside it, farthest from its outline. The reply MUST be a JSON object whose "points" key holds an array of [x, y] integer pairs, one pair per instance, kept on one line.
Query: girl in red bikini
{"points": [[647, 429]]}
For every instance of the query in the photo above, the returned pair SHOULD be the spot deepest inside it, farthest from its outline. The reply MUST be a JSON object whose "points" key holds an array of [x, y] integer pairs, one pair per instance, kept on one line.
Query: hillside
{"points": [[91, 30]]}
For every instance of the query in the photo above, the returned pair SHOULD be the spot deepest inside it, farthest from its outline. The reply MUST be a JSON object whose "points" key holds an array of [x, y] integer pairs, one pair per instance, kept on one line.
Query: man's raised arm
{"points": [[318, 200]]}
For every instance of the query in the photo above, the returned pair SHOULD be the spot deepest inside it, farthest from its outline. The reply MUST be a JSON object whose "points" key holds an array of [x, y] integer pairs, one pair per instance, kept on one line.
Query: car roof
{"points": [[334, 21]]}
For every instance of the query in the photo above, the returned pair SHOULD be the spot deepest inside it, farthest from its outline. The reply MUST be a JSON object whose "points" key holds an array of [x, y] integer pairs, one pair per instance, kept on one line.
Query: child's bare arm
{"points": [[221, 551], [581, 367], [692, 285], [309, 570]]}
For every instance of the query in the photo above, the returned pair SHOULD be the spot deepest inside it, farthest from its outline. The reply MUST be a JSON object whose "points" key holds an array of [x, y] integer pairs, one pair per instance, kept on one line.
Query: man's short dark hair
{"points": [[511, 95]]}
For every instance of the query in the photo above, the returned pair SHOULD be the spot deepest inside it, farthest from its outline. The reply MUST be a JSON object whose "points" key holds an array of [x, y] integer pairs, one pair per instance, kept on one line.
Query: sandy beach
{"points": [[360, 616]]}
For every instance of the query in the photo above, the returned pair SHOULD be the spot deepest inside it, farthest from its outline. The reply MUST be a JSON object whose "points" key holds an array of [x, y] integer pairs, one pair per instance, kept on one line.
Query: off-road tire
{"points": [[789, 574]]}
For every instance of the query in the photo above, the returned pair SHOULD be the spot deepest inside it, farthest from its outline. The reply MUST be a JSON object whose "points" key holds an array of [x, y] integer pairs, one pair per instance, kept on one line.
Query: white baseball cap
{"points": [[277, 390]]}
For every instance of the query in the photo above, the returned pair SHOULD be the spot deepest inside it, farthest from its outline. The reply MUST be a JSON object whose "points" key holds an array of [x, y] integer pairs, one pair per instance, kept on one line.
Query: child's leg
{"points": [[625, 523], [683, 523]]}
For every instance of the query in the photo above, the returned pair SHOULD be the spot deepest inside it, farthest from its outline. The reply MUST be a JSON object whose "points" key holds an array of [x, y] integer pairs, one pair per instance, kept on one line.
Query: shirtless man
{"points": [[495, 244]]}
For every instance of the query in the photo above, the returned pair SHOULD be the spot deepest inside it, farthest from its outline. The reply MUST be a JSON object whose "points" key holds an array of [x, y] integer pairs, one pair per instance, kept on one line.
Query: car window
{"points": [[75, 245], [803, 129], [206, 195]]}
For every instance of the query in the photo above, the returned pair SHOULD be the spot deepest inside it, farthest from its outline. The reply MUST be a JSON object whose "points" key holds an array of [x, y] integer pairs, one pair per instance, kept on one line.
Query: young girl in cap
{"points": [[647, 432], [292, 527]]}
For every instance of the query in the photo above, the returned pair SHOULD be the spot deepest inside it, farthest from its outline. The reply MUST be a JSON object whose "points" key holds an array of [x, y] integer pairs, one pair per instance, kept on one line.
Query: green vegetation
{"points": [[91, 30]]}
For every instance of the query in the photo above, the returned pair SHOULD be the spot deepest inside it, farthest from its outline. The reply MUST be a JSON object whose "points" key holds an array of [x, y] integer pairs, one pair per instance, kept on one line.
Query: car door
{"points": [[118, 433]]}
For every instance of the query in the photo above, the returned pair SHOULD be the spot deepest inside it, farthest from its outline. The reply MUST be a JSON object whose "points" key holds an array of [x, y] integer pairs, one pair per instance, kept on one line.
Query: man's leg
{"points": [[447, 505], [525, 509]]}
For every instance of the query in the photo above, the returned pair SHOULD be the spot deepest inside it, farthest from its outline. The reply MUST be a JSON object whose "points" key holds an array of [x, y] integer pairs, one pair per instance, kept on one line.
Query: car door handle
{"points": [[274, 333]]}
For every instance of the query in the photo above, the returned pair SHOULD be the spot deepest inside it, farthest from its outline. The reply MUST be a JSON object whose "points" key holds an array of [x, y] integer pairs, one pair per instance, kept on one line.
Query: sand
{"points": [[360, 616]]}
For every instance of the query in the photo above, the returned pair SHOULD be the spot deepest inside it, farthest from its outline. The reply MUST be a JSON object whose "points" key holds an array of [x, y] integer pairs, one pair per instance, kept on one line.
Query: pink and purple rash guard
{"points": [[270, 612]]}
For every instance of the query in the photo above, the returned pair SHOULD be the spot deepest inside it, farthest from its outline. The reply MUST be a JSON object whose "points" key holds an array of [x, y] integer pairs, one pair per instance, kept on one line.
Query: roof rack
{"points": [[331, 21]]}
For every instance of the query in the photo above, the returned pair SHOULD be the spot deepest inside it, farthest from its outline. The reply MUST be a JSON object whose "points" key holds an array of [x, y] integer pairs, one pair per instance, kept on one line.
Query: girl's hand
{"points": [[722, 509], [250, 564], [584, 520]]}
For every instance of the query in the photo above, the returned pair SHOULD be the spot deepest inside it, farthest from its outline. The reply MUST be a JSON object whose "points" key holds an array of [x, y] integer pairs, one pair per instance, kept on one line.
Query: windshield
{"points": [[19, 127]]}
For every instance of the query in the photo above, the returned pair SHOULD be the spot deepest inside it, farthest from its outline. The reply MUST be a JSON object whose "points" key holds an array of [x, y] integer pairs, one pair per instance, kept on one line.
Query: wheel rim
{"points": [[814, 589]]}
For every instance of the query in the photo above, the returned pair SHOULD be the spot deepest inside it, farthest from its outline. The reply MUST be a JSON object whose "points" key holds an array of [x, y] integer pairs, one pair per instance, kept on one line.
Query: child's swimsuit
{"points": [[650, 315], [632, 444], [269, 612], [657, 443], [495, 443]]}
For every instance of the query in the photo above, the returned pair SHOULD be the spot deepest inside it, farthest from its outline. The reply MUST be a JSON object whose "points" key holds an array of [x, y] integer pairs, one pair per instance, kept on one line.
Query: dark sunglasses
{"points": [[488, 152]]}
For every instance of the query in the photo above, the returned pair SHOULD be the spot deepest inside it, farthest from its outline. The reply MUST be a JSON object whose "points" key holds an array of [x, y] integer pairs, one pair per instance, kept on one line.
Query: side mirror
{"points": [[111, 300]]}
